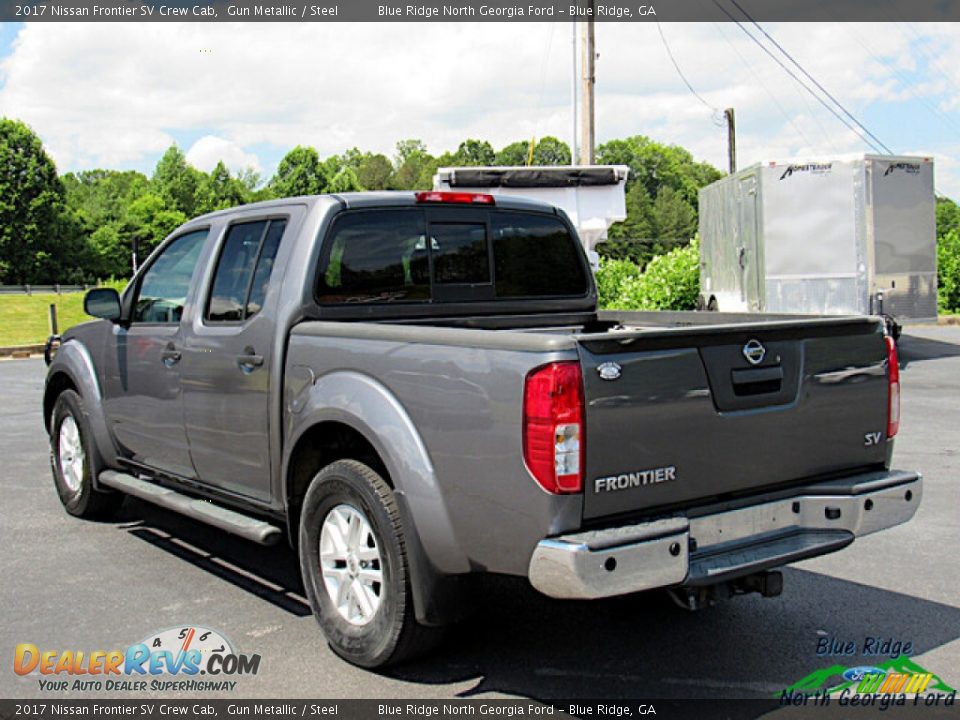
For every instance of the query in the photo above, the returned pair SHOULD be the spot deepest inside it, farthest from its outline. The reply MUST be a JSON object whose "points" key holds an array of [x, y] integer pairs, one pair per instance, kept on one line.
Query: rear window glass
{"points": [[384, 256], [460, 253], [376, 256], [535, 256]]}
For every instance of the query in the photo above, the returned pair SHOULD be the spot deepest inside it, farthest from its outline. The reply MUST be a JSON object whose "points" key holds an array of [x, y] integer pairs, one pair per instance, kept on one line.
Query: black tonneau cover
{"points": [[534, 177]]}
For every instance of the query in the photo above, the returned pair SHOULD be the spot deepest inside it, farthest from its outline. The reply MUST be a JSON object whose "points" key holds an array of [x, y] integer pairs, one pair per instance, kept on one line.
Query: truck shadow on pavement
{"points": [[645, 646], [913, 348], [270, 573], [522, 643]]}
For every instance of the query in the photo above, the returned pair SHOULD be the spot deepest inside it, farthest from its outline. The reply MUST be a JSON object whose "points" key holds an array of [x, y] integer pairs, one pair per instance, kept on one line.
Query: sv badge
{"points": [[871, 439]]}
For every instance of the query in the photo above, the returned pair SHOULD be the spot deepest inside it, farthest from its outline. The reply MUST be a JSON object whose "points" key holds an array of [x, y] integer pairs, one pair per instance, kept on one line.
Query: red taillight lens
{"points": [[893, 380], [553, 440], [432, 196]]}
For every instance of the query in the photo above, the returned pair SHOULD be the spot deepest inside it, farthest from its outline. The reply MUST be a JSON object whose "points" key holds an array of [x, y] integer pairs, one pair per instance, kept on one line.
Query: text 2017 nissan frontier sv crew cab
{"points": [[414, 387]]}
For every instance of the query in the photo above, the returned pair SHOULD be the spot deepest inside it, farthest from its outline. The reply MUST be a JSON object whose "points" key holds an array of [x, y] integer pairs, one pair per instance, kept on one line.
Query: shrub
{"points": [[948, 271], [611, 278], [670, 282]]}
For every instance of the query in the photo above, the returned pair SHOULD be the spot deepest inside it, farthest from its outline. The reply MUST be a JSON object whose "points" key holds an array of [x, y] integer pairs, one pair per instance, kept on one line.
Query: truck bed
{"points": [[687, 422]]}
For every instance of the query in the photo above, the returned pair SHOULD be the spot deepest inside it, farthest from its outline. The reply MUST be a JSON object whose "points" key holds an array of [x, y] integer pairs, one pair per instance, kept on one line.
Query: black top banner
{"points": [[480, 11]]}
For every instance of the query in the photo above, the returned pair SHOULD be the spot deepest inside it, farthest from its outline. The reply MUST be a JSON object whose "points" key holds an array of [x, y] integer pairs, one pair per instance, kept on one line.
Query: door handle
{"points": [[170, 355], [249, 360]]}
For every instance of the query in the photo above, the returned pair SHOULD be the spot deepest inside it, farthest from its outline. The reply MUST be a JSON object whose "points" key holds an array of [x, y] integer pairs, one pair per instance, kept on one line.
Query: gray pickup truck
{"points": [[417, 388]]}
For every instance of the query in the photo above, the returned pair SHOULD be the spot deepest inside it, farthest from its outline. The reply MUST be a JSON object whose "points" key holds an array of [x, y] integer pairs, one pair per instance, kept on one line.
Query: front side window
{"points": [[243, 270], [163, 289], [376, 256]]}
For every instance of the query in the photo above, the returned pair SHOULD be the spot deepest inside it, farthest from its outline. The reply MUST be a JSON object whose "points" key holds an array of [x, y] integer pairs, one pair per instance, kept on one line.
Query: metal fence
{"points": [[42, 289]]}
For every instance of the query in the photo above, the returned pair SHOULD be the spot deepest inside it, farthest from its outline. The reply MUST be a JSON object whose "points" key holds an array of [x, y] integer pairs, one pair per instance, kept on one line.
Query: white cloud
{"points": [[117, 94], [206, 152]]}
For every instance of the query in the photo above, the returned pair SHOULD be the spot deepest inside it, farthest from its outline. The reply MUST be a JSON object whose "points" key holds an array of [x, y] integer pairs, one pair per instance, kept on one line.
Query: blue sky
{"points": [[116, 95]]}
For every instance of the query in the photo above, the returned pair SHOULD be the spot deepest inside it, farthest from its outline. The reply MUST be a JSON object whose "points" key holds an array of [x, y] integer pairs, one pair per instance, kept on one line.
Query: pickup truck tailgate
{"points": [[683, 414]]}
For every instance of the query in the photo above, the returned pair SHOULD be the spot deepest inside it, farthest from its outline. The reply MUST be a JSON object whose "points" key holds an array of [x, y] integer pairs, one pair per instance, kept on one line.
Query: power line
{"points": [[907, 83], [800, 82], [715, 112], [759, 80], [812, 79]]}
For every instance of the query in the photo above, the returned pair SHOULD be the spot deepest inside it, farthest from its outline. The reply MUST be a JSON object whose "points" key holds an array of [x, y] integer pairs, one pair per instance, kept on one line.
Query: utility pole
{"points": [[731, 139], [589, 79], [573, 95]]}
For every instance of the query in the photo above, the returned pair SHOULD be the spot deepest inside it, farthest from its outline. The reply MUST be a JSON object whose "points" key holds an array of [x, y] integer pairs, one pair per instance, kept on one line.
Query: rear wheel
{"points": [[354, 565], [74, 460]]}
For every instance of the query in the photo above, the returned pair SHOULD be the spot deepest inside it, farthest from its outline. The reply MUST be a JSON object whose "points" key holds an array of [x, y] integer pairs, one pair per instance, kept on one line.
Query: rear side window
{"points": [[376, 256], [243, 270], [535, 256]]}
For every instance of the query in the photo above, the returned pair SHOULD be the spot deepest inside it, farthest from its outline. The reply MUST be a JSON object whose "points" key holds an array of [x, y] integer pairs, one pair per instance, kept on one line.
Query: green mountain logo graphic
{"points": [[831, 680]]}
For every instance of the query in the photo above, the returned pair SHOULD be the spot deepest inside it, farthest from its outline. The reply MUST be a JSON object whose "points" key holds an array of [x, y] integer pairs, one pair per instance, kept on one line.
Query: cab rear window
{"points": [[400, 256]]}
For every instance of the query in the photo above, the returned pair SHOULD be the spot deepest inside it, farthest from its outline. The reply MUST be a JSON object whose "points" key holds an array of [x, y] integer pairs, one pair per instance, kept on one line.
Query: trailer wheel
{"points": [[894, 329], [713, 305]]}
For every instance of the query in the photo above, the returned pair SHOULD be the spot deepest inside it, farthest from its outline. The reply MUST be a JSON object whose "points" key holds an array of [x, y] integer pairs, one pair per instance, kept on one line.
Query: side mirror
{"points": [[102, 303]]}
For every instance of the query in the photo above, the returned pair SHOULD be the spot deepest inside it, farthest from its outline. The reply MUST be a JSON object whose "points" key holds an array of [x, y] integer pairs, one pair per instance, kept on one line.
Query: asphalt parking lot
{"points": [[71, 584]]}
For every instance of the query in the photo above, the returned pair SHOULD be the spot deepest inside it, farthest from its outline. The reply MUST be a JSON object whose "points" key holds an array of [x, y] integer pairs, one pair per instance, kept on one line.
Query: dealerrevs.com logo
{"points": [[171, 660]]}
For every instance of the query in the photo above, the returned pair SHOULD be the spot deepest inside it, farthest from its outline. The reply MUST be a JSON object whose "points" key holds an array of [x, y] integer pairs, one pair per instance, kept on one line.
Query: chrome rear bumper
{"points": [[710, 548]]}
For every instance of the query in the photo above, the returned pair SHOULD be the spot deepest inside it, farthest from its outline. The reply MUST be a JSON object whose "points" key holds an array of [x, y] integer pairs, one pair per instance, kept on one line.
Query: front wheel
{"points": [[74, 459], [354, 565]]}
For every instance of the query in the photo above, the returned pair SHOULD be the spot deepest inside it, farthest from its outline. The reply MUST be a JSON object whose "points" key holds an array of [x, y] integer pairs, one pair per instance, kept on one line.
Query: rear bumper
{"points": [[710, 548]]}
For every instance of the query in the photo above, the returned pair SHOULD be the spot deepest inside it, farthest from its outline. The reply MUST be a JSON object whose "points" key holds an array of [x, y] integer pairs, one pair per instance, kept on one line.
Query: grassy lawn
{"points": [[24, 319]]}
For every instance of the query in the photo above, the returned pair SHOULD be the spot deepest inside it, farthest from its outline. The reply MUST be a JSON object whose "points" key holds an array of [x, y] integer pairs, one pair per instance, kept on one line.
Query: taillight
{"points": [[433, 196], [893, 380], [553, 440]]}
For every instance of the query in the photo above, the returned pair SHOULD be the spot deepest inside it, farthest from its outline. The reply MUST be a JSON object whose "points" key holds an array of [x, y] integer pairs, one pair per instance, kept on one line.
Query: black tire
{"points": [[392, 634], [713, 305], [78, 495]]}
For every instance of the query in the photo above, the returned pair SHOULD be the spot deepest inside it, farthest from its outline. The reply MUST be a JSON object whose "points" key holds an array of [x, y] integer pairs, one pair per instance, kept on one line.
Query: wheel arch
{"points": [[72, 369], [347, 414]]}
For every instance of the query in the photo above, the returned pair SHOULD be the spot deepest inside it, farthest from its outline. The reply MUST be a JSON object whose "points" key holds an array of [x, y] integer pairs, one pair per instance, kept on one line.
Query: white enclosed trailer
{"points": [[592, 196], [854, 235]]}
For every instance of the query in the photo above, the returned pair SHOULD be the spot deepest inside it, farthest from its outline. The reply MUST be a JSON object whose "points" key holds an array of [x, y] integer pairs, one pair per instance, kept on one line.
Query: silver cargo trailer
{"points": [[854, 235]]}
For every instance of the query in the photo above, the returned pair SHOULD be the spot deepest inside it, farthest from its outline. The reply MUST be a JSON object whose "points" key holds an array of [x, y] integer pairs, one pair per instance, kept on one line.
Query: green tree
{"points": [[300, 172], [31, 205], [413, 163], [474, 153], [671, 217], [948, 271], [176, 181], [374, 172], [513, 154], [948, 216], [100, 201], [410, 149], [150, 219], [219, 190], [655, 166], [344, 181], [551, 151]]}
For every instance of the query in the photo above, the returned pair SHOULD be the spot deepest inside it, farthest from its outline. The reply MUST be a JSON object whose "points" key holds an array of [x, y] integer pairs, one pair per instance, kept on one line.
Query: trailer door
{"points": [[904, 235], [749, 256]]}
